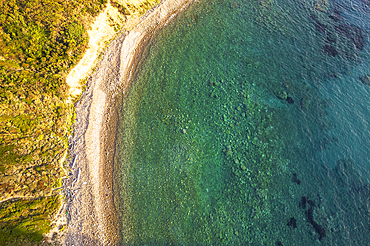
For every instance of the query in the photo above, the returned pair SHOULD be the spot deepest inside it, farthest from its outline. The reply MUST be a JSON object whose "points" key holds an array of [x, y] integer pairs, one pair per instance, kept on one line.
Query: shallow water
{"points": [[247, 124]]}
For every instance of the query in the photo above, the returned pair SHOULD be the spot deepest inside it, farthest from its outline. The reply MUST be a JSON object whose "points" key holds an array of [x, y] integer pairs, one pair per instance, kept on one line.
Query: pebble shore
{"points": [[91, 205]]}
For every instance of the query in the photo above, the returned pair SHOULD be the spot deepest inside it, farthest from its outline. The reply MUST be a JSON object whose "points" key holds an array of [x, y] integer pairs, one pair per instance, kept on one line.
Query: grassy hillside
{"points": [[40, 40]]}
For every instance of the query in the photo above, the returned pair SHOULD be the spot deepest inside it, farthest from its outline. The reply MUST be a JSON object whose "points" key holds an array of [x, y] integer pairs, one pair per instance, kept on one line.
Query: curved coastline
{"points": [[91, 205]]}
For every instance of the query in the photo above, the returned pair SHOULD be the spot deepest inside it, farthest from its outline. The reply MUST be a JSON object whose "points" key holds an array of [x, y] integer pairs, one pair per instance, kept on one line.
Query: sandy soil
{"points": [[91, 205], [102, 30]]}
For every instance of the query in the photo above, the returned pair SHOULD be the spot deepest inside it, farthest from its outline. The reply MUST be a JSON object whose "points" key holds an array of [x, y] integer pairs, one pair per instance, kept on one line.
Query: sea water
{"points": [[247, 124]]}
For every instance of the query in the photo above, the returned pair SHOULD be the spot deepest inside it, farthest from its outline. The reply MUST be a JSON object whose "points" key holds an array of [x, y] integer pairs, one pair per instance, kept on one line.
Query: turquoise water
{"points": [[246, 124]]}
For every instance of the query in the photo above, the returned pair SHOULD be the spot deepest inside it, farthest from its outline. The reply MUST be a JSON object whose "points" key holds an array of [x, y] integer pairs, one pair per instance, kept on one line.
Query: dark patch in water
{"points": [[363, 191], [279, 243], [365, 79], [318, 25], [303, 202], [344, 171], [290, 100], [292, 222], [330, 50], [353, 33], [366, 2], [314, 17], [330, 39], [295, 179], [319, 229], [311, 203], [336, 15]]}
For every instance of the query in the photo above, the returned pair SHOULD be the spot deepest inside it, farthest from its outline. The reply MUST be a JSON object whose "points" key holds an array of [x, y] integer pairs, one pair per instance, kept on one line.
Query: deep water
{"points": [[247, 124]]}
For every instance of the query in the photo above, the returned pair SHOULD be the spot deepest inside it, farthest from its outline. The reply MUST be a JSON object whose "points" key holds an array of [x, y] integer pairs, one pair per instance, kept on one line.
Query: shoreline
{"points": [[92, 215]]}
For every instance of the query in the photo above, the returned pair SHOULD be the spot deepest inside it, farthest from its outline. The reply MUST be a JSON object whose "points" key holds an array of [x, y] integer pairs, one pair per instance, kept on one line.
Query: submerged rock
{"points": [[306, 99], [353, 33], [365, 80], [344, 171], [281, 94], [303, 202], [278, 91], [311, 203], [318, 228], [336, 15], [330, 50], [290, 100], [320, 27], [295, 179], [292, 222], [330, 38], [314, 17]]}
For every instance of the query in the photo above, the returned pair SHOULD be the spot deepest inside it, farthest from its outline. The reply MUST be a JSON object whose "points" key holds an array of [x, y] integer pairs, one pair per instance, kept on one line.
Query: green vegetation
{"points": [[23, 222], [133, 7], [40, 41]]}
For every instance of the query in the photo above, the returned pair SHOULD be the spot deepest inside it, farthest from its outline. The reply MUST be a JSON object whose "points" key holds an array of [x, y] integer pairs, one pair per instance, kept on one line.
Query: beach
{"points": [[91, 203]]}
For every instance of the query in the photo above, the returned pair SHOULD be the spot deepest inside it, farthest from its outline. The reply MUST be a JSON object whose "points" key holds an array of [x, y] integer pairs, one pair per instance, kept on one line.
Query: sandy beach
{"points": [[91, 206]]}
